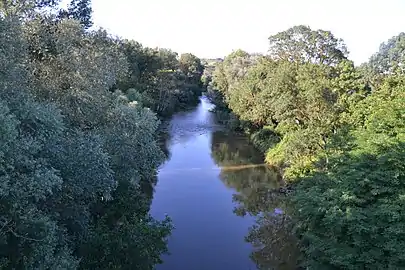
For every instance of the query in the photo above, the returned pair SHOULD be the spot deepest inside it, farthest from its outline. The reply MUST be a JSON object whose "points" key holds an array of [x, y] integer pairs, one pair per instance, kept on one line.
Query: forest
{"points": [[335, 132], [79, 116], [79, 111]]}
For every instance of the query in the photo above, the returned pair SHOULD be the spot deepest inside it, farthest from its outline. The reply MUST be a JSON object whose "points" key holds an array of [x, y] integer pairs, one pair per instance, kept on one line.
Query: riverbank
{"points": [[337, 134], [263, 139]]}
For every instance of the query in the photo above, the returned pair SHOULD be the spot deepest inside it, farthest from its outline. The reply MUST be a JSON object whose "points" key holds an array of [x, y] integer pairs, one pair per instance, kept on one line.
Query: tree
{"points": [[337, 134], [390, 58], [72, 151], [20, 7], [77, 83], [155, 80], [190, 64], [226, 74], [356, 207], [30, 234], [125, 236], [79, 10], [349, 213], [168, 59], [299, 103], [302, 44], [234, 67]]}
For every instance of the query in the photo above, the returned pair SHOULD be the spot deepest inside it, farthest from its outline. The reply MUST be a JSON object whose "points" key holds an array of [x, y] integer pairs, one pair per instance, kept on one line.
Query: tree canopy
{"points": [[391, 56], [79, 113], [336, 133], [302, 44]]}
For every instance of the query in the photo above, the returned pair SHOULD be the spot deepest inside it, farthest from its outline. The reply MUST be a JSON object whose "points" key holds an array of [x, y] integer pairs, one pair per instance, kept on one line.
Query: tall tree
{"points": [[302, 44], [79, 10], [71, 152], [190, 63], [391, 56]]}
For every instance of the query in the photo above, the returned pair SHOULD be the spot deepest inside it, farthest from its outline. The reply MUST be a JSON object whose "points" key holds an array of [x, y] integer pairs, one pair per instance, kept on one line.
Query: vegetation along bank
{"points": [[79, 112], [336, 131]]}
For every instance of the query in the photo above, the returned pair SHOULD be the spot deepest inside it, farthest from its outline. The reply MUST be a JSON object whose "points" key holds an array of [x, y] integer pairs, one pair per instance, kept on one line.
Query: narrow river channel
{"points": [[215, 188]]}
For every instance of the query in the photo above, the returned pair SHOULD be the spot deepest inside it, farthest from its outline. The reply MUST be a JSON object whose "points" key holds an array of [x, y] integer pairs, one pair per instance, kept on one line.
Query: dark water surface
{"points": [[216, 190]]}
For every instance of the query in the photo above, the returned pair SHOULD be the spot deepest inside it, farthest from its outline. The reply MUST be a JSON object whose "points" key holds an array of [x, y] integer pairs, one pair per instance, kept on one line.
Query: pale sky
{"points": [[213, 28]]}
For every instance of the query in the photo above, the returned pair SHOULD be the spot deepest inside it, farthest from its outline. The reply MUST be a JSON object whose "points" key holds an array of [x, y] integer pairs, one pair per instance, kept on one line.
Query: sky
{"points": [[214, 28]]}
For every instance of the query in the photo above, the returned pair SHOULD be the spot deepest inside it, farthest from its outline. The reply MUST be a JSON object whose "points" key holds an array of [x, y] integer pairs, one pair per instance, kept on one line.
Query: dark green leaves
{"points": [[77, 162], [352, 216]]}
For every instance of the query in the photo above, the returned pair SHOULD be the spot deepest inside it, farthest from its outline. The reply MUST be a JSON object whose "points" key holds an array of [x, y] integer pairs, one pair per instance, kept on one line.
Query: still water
{"points": [[215, 188]]}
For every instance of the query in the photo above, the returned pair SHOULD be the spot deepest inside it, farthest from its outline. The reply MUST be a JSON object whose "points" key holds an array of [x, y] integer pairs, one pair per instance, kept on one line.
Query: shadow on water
{"points": [[256, 185]]}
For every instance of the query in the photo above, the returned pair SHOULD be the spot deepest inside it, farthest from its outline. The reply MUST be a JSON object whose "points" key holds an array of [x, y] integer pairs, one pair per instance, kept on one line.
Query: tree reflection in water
{"points": [[274, 245]]}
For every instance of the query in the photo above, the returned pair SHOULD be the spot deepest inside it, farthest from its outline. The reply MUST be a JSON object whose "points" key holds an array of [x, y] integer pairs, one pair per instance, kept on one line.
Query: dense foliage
{"points": [[337, 133], [159, 79], [78, 150]]}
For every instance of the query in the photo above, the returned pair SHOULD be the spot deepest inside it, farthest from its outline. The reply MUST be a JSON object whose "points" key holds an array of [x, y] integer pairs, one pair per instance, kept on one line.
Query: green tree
{"points": [[233, 68], [302, 44], [391, 56], [337, 133], [226, 74], [72, 151], [389, 60], [125, 236], [30, 236], [349, 212], [190, 64], [301, 104], [77, 84], [156, 81], [168, 59]]}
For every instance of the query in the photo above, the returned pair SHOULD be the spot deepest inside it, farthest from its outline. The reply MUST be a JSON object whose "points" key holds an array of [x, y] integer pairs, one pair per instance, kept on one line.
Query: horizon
{"points": [[363, 25]]}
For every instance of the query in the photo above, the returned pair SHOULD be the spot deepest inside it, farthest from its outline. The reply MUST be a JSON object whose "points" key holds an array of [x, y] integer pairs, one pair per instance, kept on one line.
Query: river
{"points": [[215, 188]]}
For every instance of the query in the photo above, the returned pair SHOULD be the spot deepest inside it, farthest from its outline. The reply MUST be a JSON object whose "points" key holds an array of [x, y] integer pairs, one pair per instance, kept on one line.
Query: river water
{"points": [[215, 188]]}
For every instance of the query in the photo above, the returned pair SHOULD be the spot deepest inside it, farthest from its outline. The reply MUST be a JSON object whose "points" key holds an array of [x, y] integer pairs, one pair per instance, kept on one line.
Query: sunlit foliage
{"points": [[337, 133]]}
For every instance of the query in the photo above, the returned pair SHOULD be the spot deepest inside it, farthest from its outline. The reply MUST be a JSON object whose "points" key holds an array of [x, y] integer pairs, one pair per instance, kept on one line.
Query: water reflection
{"points": [[210, 175], [163, 139], [207, 234], [274, 245], [186, 125]]}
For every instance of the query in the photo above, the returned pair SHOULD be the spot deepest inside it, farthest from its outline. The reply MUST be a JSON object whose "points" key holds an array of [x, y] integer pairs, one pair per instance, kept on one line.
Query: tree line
{"points": [[336, 132], [79, 111]]}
